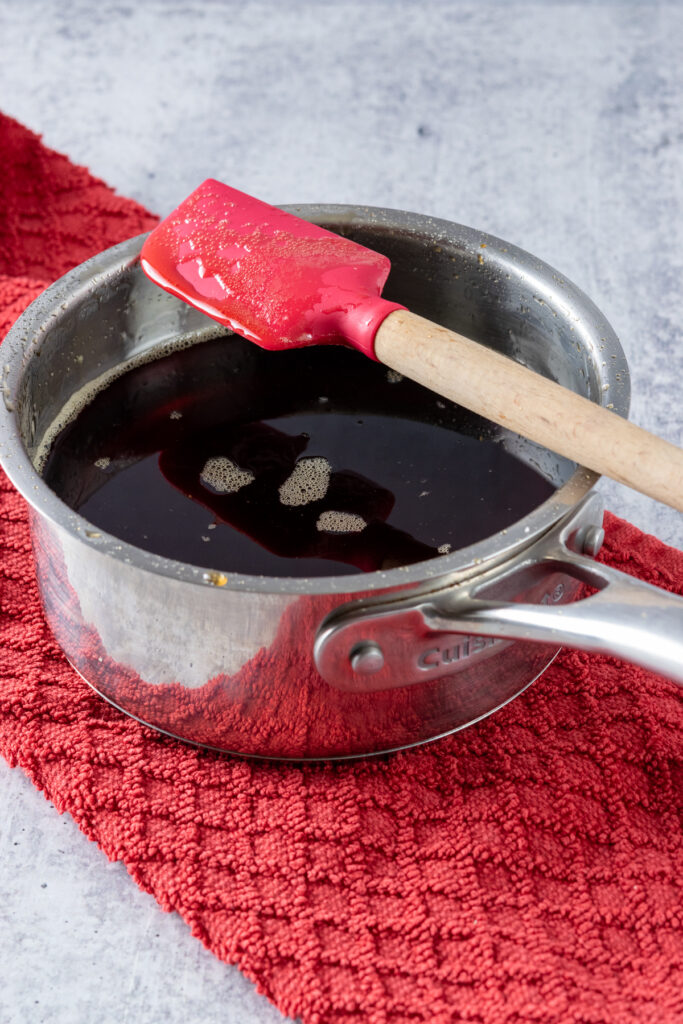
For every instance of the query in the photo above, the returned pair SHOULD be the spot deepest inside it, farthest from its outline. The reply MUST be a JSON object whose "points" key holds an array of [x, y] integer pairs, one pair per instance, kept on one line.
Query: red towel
{"points": [[527, 869]]}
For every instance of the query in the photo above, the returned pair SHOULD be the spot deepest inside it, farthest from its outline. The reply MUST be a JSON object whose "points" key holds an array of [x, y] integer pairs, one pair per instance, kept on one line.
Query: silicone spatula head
{"points": [[272, 277]]}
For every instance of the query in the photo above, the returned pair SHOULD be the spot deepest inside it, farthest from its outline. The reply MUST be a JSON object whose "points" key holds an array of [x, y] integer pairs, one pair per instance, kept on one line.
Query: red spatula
{"points": [[281, 281]]}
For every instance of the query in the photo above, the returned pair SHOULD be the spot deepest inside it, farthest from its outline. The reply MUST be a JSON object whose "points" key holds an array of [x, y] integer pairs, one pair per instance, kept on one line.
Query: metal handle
{"points": [[366, 645], [626, 617]]}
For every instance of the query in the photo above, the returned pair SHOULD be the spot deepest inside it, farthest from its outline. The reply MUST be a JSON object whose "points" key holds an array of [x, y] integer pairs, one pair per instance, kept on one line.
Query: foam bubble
{"points": [[176, 415], [443, 549], [307, 482], [224, 476], [394, 377], [103, 462], [340, 522]]}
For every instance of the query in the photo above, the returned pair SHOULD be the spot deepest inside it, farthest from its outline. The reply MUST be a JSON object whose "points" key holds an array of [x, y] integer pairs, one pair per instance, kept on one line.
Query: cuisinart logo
{"points": [[469, 646], [435, 657]]}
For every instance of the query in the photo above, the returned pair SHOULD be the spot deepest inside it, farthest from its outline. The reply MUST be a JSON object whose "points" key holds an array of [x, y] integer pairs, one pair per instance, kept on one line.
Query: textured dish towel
{"points": [[527, 869]]}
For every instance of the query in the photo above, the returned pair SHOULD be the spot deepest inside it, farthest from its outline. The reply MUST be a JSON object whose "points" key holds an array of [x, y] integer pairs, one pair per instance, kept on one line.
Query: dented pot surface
{"points": [[338, 666]]}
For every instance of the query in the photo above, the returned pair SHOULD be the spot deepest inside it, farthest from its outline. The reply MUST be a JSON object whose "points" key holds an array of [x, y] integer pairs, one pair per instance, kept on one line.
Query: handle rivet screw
{"points": [[590, 540], [366, 657]]}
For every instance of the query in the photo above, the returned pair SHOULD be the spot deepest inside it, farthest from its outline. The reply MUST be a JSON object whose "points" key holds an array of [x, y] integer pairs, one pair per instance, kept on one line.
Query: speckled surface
{"points": [[554, 125]]}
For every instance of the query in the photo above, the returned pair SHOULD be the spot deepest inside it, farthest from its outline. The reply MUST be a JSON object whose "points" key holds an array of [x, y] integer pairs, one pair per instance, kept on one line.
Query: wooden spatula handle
{"points": [[507, 393]]}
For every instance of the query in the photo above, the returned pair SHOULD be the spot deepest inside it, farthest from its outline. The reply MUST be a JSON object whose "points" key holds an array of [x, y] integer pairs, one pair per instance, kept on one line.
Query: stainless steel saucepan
{"points": [[344, 665]]}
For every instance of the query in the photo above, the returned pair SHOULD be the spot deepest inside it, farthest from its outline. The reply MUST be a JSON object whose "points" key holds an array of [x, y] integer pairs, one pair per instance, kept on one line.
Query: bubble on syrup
{"points": [[394, 377], [340, 522], [103, 463], [221, 474], [176, 415], [443, 549], [307, 482]]}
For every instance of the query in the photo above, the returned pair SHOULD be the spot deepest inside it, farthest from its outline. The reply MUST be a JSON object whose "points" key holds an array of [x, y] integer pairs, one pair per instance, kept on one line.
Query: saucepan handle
{"points": [[624, 617], [375, 644]]}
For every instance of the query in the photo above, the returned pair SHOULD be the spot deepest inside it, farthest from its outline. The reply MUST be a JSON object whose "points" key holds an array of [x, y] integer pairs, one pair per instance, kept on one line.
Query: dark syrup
{"points": [[420, 472]]}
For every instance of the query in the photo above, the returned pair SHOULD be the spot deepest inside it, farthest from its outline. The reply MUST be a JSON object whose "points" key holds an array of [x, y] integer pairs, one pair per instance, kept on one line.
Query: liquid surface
{"points": [[306, 463]]}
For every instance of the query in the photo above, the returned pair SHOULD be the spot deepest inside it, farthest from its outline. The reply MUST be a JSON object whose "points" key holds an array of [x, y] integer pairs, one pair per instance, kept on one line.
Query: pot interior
{"points": [[116, 322], [309, 462]]}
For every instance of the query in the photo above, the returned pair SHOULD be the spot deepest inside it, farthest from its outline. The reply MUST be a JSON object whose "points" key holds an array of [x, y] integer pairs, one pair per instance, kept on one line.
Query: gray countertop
{"points": [[554, 125]]}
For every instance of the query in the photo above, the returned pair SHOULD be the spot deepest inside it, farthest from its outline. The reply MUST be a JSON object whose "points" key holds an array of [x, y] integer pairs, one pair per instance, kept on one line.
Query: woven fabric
{"points": [[527, 869]]}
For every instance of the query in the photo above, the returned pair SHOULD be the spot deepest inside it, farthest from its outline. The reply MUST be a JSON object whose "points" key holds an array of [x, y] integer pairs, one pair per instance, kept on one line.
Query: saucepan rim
{"points": [[25, 337]]}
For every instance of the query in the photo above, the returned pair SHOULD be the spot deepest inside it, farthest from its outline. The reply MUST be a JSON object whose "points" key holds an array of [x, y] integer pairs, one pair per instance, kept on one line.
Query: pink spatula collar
{"points": [[275, 279]]}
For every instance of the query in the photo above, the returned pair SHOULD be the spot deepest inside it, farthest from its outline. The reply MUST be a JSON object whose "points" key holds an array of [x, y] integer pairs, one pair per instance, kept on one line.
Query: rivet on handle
{"points": [[366, 657], [589, 540]]}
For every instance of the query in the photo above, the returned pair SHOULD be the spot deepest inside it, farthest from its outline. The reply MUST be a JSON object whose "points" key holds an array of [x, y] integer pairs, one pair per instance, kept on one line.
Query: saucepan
{"points": [[337, 666]]}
